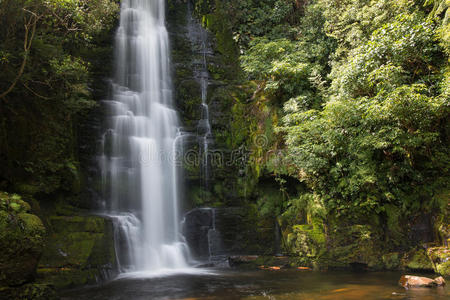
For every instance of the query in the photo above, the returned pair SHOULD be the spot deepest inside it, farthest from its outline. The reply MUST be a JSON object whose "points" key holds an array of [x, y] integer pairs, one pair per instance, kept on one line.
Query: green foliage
{"points": [[352, 22], [48, 63], [398, 52], [364, 88], [271, 18], [295, 66], [280, 63], [21, 240], [357, 153]]}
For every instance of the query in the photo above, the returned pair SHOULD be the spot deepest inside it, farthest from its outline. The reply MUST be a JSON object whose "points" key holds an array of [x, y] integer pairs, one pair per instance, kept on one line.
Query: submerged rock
{"points": [[409, 281], [239, 259]]}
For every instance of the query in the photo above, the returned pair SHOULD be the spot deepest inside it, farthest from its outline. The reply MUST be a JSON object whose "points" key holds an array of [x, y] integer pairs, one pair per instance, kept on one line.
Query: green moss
{"points": [[78, 250], [418, 260], [68, 277], [440, 257], [395, 232], [63, 224], [354, 245], [391, 261], [21, 240], [308, 243], [32, 224]]}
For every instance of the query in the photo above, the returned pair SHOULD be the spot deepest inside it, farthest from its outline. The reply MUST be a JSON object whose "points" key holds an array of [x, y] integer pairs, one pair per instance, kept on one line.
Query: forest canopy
{"points": [[362, 91]]}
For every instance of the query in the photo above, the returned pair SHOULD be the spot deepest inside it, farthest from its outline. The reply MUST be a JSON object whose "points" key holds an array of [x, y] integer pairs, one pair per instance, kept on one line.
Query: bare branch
{"points": [[34, 93], [30, 24]]}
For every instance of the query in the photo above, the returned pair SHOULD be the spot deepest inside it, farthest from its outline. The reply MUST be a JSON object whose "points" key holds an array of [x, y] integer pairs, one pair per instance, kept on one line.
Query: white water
{"points": [[141, 144]]}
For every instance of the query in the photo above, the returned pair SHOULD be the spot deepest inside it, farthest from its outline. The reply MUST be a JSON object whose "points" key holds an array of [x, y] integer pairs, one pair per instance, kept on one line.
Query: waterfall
{"points": [[199, 40], [141, 144]]}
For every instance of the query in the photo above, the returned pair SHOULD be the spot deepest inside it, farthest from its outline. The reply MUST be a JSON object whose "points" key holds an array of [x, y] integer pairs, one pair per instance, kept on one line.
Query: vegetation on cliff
{"points": [[352, 98]]}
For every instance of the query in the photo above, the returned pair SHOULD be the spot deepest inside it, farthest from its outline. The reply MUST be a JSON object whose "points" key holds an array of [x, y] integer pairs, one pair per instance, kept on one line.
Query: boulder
{"points": [[440, 281], [80, 250], [410, 281], [21, 241]]}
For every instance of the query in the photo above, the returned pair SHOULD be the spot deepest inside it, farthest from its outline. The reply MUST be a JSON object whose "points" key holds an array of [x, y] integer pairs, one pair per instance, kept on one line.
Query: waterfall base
{"points": [[166, 259]]}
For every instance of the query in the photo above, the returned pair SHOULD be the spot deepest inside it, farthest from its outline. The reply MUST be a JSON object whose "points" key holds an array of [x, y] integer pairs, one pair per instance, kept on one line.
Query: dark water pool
{"points": [[282, 284]]}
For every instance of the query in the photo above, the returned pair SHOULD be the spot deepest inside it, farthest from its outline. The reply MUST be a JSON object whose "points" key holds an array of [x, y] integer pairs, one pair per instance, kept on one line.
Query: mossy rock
{"points": [[418, 260], [79, 251], [307, 242], [392, 261], [440, 256], [63, 278], [21, 241]]}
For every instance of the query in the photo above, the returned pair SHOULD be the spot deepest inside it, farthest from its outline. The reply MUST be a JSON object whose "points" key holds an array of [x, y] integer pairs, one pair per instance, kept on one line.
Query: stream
{"points": [[282, 284]]}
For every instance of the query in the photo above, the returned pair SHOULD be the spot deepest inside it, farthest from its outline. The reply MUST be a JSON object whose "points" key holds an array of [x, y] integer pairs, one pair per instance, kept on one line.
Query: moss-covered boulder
{"points": [[21, 241], [80, 250], [440, 257], [307, 242]]}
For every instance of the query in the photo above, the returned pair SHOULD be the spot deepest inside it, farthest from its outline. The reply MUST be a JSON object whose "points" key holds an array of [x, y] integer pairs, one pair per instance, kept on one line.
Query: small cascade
{"points": [[199, 40], [204, 126], [217, 256], [204, 237], [211, 234], [126, 240]]}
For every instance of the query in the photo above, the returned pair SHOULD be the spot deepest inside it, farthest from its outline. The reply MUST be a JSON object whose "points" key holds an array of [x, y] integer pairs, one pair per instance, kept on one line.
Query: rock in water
{"points": [[408, 281], [440, 281]]}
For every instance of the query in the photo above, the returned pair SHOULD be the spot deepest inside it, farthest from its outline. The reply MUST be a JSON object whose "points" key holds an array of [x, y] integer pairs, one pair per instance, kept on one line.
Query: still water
{"points": [[256, 285]]}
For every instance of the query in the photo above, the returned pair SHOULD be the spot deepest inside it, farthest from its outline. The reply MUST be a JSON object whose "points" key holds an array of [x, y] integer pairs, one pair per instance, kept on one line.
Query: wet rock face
{"points": [[225, 231], [197, 224]]}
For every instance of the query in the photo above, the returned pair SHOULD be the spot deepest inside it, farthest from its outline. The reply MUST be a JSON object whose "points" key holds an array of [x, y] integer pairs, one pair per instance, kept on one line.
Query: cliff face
{"points": [[203, 45], [250, 180]]}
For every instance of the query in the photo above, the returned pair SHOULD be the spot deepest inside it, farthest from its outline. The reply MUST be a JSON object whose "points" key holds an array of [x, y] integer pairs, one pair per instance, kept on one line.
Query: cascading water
{"points": [[204, 126], [198, 37], [140, 147]]}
